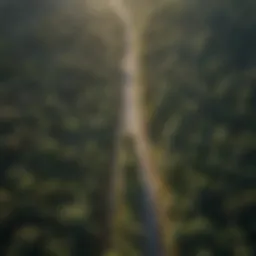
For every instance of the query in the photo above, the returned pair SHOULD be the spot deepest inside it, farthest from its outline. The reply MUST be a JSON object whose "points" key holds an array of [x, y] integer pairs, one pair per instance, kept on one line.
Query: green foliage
{"points": [[200, 66], [59, 85], [58, 116]]}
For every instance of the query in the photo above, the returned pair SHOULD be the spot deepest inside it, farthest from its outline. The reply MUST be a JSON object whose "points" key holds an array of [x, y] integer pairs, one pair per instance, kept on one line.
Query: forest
{"points": [[60, 87]]}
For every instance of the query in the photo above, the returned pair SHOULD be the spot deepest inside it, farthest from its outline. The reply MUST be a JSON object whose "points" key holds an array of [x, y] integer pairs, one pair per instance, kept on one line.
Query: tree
{"points": [[199, 68], [60, 92]]}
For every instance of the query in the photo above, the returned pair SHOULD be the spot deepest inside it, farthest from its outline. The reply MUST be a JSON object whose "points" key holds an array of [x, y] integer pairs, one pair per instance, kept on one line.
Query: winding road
{"points": [[155, 198]]}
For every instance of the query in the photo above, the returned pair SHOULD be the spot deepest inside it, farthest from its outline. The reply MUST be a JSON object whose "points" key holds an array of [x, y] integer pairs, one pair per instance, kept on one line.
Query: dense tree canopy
{"points": [[60, 81], [200, 69], [59, 93]]}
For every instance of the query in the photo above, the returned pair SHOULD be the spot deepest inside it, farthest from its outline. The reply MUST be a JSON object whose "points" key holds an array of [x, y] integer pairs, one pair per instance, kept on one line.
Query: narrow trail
{"points": [[156, 198]]}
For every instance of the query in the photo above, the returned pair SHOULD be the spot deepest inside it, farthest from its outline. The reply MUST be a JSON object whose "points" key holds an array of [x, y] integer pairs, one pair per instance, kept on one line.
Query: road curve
{"points": [[134, 124]]}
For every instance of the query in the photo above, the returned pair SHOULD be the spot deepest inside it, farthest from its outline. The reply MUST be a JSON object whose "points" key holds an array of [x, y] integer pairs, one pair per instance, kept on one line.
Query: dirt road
{"points": [[134, 125]]}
